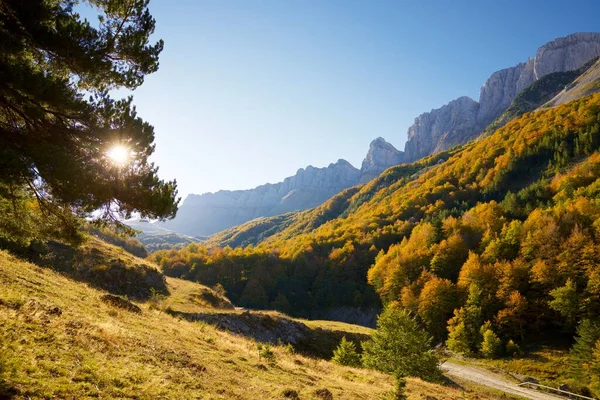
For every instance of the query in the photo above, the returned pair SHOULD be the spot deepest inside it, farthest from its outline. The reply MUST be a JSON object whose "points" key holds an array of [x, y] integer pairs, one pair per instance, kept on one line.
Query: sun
{"points": [[118, 155]]}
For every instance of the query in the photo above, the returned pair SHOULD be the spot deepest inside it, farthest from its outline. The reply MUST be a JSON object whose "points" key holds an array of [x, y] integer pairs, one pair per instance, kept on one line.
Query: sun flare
{"points": [[118, 154]]}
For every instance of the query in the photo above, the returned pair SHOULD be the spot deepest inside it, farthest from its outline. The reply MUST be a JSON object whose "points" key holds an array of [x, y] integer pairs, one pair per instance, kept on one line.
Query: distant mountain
{"points": [[464, 119], [506, 94], [206, 214], [155, 237]]}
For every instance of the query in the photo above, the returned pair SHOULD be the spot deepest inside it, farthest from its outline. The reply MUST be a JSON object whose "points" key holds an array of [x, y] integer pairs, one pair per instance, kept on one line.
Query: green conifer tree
{"points": [[346, 354]]}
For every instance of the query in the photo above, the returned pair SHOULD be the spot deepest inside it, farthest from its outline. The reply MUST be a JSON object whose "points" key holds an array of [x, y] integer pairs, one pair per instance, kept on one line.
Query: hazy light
{"points": [[119, 155]]}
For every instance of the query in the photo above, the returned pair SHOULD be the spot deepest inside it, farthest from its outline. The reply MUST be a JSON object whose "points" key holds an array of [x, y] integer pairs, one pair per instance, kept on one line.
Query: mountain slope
{"points": [[463, 119], [488, 202], [206, 214], [453, 124], [585, 84]]}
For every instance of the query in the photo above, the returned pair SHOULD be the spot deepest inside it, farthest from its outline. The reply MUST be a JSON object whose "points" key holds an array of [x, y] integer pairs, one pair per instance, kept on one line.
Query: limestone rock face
{"points": [[442, 128], [203, 215], [455, 123], [500, 89], [381, 156], [567, 53]]}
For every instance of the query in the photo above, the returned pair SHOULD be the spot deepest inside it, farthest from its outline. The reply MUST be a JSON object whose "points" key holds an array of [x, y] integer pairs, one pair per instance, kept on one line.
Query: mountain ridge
{"points": [[455, 123], [463, 119], [209, 213]]}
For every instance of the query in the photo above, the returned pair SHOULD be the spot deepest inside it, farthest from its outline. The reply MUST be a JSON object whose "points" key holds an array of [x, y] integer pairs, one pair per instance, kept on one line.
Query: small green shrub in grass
{"points": [[265, 352], [346, 354]]}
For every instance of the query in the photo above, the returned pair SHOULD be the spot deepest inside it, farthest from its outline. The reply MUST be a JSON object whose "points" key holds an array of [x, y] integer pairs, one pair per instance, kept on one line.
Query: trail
{"points": [[487, 378]]}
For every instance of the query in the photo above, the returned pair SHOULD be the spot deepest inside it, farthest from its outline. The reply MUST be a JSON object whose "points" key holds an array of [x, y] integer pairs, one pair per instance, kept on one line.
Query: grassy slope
{"points": [[104, 266], [587, 83], [59, 340], [190, 297], [548, 364]]}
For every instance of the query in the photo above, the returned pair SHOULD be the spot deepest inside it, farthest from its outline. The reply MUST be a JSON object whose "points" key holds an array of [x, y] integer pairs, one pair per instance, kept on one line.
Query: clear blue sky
{"points": [[248, 91]]}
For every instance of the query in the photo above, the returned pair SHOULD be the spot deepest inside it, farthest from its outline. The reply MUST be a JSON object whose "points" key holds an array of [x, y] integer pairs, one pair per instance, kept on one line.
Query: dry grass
{"points": [[549, 365], [58, 340], [190, 297]]}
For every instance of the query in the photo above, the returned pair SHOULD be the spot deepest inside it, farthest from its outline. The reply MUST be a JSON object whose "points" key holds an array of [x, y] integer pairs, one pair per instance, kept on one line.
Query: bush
{"points": [[491, 345], [264, 351], [401, 347], [512, 349], [346, 354]]}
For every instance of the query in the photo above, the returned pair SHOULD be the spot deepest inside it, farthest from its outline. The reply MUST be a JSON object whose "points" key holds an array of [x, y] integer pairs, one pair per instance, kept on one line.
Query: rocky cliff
{"points": [[463, 119], [442, 128], [381, 155]]}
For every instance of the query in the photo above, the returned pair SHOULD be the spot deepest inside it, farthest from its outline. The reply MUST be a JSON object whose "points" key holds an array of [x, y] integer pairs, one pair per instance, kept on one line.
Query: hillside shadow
{"points": [[275, 328], [102, 269], [449, 382]]}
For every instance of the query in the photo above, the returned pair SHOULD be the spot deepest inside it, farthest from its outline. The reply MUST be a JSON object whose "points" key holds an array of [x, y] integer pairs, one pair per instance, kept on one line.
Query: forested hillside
{"points": [[505, 230]]}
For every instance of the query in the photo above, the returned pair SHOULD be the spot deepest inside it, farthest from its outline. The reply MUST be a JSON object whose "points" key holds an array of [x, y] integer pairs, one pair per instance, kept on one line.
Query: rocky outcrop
{"points": [[567, 53], [463, 119], [442, 128], [381, 155], [586, 84], [498, 92]]}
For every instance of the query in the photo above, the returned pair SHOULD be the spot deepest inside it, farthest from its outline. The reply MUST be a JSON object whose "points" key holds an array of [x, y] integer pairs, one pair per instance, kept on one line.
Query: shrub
{"points": [[346, 354], [512, 349], [264, 351]]}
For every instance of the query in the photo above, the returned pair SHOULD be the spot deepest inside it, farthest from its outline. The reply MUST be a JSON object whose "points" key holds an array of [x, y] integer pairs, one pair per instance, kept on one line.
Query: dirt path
{"points": [[492, 380]]}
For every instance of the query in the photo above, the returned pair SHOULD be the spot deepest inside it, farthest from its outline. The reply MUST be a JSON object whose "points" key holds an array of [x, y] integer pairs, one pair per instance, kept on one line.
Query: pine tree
{"points": [[400, 346], [346, 354], [582, 352], [57, 120]]}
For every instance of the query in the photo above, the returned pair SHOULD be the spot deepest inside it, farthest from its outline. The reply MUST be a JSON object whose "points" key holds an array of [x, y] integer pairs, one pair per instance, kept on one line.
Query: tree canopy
{"points": [[58, 120]]}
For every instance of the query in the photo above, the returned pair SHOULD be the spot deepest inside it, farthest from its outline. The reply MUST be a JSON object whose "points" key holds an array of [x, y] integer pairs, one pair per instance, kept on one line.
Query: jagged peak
{"points": [[463, 119], [381, 143], [380, 156], [342, 163]]}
